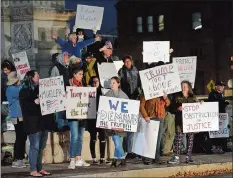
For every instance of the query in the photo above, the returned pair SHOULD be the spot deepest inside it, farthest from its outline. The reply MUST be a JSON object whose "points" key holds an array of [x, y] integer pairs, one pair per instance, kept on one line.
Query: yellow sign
{"points": [[210, 86]]}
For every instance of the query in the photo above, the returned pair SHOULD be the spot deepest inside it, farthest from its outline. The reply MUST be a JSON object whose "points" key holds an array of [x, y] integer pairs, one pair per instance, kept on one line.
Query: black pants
{"points": [[93, 134], [222, 142], [19, 146]]}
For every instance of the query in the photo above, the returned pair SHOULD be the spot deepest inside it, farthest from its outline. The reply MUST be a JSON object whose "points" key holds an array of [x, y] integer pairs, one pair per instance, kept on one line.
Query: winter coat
{"points": [[177, 101], [3, 86], [90, 71], [154, 108], [122, 95], [12, 94], [215, 96], [130, 81], [32, 119]]}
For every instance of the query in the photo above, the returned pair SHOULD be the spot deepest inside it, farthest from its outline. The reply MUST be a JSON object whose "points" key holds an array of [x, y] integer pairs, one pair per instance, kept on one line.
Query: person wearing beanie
{"points": [[12, 94]]}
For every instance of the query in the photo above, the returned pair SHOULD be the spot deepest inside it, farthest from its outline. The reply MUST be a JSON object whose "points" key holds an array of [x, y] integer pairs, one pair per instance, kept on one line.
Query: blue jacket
{"points": [[67, 46], [12, 94]]}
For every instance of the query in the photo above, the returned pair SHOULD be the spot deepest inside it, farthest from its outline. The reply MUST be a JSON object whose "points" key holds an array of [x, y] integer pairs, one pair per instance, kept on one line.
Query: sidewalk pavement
{"points": [[204, 165]]}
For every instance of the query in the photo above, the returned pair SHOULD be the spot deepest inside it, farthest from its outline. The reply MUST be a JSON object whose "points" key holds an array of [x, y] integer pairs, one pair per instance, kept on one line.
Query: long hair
{"points": [[117, 79], [8, 64], [28, 80], [190, 92]]}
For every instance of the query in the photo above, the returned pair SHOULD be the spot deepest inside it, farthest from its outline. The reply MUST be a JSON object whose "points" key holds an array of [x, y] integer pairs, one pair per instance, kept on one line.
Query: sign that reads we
{"points": [[118, 114]]}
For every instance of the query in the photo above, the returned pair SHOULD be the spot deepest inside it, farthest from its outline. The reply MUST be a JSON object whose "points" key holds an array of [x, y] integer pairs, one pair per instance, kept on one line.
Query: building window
{"points": [[150, 23], [139, 24], [161, 22], [196, 19]]}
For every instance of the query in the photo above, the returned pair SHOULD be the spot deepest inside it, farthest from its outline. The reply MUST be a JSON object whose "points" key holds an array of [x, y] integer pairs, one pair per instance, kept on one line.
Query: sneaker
{"points": [[129, 156], [72, 165], [18, 164], [189, 160], [95, 162], [80, 163], [174, 160], [103, 161]]}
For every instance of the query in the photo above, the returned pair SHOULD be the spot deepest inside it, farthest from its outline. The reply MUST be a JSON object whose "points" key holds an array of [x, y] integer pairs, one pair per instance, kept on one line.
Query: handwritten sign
{"points": [[118, 114], [89, 17], [106, 72], [145, 139], [155, 51], [52, 95], [21, 63], [199, 117], [118, 65], [81, 102], [187, 68], [230, 117], [159, 80], [223, 127]]}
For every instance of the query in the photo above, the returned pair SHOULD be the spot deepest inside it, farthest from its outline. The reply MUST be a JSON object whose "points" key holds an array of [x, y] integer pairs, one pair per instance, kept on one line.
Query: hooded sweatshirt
{"points": [[61, 69]]}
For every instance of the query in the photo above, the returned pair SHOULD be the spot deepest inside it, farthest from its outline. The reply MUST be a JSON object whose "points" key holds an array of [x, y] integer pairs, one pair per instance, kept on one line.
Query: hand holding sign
{"points": [[37, 101]]}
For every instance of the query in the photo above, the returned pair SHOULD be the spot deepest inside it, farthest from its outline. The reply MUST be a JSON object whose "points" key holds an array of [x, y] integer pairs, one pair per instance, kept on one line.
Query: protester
{"points": [[54, 62], [90, 71], [107, 51], [186, 96], [131, 85], [35, 125], [219, 144], [94, 82], [154, 109], [77, 127], [12, 94], [117, 136], [74, 62], [72, 46], [80, 38]]}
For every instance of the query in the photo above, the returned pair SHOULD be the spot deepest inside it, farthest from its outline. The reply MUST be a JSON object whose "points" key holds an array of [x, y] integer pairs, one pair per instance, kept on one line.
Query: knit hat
{"points": [[108, 45], [12, 78], [73, 59]]}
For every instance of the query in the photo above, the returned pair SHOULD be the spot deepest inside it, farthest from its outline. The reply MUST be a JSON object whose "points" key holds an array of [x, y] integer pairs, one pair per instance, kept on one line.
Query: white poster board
{"points": [[145, 139], [187, 68], [89, 17], [81, 102], [155, 51], [104, 91], [159, 80], [199, 117], [21, 63], [223, 127], [10, 125], [229, 112], [118, 114], [52, 95], [106, 72], [118, 65]]}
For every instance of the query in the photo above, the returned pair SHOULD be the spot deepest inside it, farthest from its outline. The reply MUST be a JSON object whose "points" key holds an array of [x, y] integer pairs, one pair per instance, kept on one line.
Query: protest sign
{"points": [[145, 139], [155, 51], [104, 90], [187, 68], [223, 127], [21, 63], [118, 114], [118, 65], [159, 80], [200, 117], [10, 125], [106, 72], [81, 102], [89, 17], [52, 95], [230, 117]]}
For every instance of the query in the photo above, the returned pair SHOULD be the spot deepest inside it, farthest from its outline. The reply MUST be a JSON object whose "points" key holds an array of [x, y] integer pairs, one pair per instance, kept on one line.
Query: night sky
{"points": [[109, 22]]}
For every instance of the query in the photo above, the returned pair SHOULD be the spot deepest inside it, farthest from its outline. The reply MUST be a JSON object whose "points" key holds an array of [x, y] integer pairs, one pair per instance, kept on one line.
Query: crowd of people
{"points": [[78, 65]]}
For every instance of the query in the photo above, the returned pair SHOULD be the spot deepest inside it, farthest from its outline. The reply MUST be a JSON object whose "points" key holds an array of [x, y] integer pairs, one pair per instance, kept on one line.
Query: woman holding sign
{"points": [[186, 96], [77, 127], [117, 136]]}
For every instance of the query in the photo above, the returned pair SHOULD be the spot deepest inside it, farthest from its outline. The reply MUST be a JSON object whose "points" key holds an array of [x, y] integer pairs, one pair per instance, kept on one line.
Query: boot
{"points": [[114, 163], [123, 163]]}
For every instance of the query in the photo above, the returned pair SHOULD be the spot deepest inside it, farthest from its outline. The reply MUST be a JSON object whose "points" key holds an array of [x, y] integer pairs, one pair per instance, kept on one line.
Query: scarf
{"points": [[77, 83]]}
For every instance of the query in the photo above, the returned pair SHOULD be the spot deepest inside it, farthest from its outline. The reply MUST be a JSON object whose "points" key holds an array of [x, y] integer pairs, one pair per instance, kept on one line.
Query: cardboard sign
{"points": [[199, 117], [52, 95], [106, 72], [89, 17], [223, 127], [187, 68], [159, 80], [155, 51], [118, 114], [118, 65], [145, 139], [81, 103], [21, 64]]}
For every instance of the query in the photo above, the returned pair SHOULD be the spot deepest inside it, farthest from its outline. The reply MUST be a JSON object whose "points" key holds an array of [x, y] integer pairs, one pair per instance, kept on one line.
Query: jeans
{"points": [[118, 143], [37, 145], [129, 139], [160, 134], [20, 141], [61, 119], [76, 140]]}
